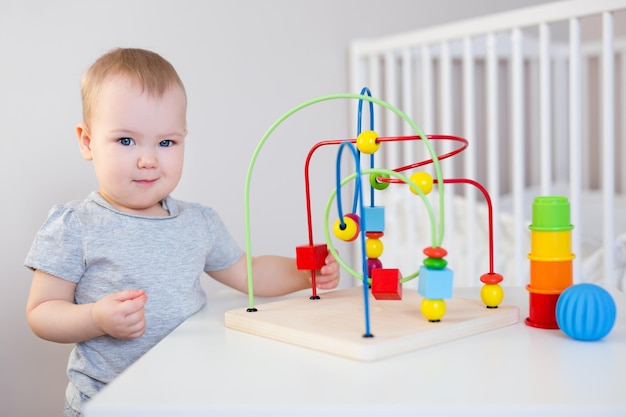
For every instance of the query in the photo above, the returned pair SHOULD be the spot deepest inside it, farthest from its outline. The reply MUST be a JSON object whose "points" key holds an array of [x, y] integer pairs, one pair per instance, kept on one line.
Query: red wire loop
{"points": [[463, 141], [491, 276]]}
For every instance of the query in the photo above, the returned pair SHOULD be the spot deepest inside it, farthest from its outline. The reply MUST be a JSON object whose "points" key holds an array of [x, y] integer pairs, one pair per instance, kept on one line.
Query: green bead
{"points": [[378, 184], [435, 263]]}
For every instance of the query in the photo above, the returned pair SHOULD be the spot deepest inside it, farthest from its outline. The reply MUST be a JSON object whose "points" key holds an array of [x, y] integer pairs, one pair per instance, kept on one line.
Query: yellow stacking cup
{"points": [[552, 245]]}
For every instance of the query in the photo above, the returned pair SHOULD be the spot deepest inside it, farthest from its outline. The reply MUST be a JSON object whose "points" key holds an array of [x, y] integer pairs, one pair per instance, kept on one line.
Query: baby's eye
{"points": [[166, 143], [125, 141]]}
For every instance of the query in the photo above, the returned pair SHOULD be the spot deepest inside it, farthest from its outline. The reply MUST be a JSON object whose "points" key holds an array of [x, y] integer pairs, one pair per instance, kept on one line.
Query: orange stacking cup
{"points": [[550, 275]]}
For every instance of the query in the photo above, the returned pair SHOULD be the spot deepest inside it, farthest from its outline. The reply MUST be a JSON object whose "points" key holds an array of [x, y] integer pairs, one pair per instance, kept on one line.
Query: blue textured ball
{"points": [[585, 312]]}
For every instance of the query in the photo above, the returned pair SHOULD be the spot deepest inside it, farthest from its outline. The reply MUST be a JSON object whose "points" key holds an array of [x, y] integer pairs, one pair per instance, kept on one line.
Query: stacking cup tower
{"points": [[550, 259]]}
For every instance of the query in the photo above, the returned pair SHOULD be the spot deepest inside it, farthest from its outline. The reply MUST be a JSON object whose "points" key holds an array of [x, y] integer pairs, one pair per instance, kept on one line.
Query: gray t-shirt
{"points": [[104, 251]]}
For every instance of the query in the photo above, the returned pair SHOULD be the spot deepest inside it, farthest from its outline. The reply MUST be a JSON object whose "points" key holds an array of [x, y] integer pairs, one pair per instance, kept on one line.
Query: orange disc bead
{"points": [[435, 252], [491, 278]]}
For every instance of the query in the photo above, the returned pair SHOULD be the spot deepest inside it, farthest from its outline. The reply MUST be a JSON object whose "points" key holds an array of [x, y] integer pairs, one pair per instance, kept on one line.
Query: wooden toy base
{"points": [[336, 323]]}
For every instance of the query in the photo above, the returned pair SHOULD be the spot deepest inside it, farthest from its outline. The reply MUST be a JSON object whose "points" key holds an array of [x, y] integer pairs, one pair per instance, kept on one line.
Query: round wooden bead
{"points": [[423, 180], [492, 295], [350, 229], [438, 252], [373, 263], [433, 310], [356, 219], [367, 142], [373, 248]]}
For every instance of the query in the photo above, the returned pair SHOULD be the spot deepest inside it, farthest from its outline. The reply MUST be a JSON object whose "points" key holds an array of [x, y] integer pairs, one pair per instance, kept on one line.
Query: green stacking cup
{"points": [[551, 213]]}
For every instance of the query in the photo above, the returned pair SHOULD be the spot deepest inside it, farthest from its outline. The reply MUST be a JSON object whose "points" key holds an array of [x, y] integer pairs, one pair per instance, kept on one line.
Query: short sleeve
{"points": [[58, 246], [224, 251]]}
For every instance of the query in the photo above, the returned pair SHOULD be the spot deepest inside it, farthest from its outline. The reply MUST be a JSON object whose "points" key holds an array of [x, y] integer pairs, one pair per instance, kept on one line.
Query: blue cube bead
{"points": [[374, 219], [435, 284]]}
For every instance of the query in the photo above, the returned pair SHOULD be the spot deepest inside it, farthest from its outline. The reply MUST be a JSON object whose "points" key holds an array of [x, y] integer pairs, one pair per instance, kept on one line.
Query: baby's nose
{"points": [[147, 160]]}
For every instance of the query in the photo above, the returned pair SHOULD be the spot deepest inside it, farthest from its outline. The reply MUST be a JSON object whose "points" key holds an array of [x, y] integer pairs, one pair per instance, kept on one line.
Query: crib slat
{"points": [[585, 122], [545, 117], [469, 131], [428, 115], [560, 122], [575, 140], [407, 91], [493, 149], [534, 145], [446, 117], [358, 76], [608, 146], [427, 101], [622, 101], [391, 95], [518, 136], [390, 125], [446, 89], [373, 68]]}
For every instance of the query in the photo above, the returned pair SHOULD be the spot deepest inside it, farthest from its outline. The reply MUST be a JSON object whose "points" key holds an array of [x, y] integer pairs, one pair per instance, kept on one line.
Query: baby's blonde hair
{"points": [[144, 68]]}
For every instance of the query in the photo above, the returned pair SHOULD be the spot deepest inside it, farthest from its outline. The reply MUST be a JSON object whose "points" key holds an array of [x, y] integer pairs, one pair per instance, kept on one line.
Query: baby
{"points": [[118, 271]]}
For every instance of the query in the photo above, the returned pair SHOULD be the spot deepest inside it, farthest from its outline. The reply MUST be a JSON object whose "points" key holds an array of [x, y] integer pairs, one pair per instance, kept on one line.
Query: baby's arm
{"points": [[277, 275], [53, 315]]}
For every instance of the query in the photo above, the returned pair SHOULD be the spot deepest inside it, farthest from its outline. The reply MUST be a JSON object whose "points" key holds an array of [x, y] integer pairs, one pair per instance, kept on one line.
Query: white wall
{"points": [[245, 63]]}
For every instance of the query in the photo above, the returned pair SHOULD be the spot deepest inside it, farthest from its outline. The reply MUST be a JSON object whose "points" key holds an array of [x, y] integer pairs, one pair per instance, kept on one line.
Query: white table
{"points": [[204, 368]]}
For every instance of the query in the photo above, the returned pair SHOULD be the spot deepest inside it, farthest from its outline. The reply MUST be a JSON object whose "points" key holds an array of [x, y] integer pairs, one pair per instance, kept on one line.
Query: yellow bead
{"points": [[373, 248], [423, 180], [433, 310], [492, 295], [350, 230], [367, 142]]}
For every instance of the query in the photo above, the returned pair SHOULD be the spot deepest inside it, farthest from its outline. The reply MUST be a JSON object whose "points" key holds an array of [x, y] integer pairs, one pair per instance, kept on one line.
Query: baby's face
{"points": [[136, 142]]}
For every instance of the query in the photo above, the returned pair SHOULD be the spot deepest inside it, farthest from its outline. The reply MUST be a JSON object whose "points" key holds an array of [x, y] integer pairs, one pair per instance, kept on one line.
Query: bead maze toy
{"points": [[393, 321]]}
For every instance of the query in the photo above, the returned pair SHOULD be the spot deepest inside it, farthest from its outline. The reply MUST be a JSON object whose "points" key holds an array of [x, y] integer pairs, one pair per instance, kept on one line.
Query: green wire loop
{"points": [[307, 104], [378, 171]]}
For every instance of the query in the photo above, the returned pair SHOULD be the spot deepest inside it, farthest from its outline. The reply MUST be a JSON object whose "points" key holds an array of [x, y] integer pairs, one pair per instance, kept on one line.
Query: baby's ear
{"points": [[84, 141]]}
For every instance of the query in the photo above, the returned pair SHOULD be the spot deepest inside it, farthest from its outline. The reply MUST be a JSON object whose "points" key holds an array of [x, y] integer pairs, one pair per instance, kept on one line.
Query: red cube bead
{"points": [[386, 284], [311, 257]]}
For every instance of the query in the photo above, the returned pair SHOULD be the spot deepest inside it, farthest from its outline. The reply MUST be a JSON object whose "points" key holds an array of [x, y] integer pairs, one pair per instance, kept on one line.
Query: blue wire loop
{"points": [[365, 92], [357, 192]]}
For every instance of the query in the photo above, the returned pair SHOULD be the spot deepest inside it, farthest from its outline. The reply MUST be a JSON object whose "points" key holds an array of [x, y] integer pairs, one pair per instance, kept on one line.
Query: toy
{"points": [[586, 312], [364, 225], [550, 259]]}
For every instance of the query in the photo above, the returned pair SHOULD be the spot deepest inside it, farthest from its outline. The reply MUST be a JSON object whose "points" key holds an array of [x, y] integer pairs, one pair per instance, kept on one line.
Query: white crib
{"points": [[540, 94]]}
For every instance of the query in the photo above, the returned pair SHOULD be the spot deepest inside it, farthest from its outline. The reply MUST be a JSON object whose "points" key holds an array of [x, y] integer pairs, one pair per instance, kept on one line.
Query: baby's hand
{"points": [[327, 277], [121, 314]]}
